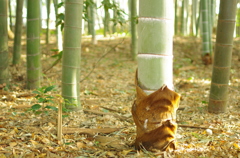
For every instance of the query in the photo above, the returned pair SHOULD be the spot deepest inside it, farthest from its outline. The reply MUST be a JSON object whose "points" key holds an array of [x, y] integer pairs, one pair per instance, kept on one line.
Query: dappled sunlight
{"points": [[114, 45], [107, 95]]}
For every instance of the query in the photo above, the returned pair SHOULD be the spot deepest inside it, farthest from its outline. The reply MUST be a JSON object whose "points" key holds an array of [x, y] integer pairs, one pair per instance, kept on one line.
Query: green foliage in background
{"points": [[111, 5]]}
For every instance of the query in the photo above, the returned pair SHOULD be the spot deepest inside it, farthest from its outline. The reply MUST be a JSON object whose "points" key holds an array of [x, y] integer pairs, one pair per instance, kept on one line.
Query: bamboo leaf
{"points": [[52, 108], [49, 88], [36, 107]]}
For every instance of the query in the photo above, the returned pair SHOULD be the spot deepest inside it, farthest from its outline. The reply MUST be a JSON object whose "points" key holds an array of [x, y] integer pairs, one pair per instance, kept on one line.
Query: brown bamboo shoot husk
{"points": [[155, 119]]}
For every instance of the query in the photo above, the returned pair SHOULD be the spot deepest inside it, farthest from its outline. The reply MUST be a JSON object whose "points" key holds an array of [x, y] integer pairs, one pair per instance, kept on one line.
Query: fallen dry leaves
{"points": [[105, 127]]}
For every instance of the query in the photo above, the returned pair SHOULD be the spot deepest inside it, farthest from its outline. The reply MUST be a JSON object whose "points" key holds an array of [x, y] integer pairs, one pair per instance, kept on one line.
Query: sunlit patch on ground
{"points": [[107, 95]]}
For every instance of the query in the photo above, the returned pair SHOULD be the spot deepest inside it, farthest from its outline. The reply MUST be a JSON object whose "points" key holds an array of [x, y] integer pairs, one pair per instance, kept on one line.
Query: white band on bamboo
{"points": [[74, 67], [32, 19], [206, 51], [71, 47], [154, 56], [33, 38], [223, 67], [67, 96], [75, 27], [69, 83], [205, 33], [4, 15], [227, 20], [205, 42], [225, 45], [79, 3], [219, 84], [154, 19]]}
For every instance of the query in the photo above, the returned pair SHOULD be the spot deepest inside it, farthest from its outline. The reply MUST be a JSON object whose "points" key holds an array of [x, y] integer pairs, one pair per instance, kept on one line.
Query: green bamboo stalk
{"points": [[18, 33], [206, 41], [194, 16], [199, 18], [106, 18], [72, 53], [184, 18], [238, 23], [106, 22], [134, 29], [176, 17], [10, 15], [155, 31], [48, 3], [58, 28], [213, 11], [210, 23], [89, 17], [114, 17], [34, 71], [92, 11], [4, 75], [222, 57]]}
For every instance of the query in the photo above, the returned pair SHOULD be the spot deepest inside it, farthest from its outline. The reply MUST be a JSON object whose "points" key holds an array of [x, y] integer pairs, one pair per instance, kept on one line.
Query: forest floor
{"points": [[105, 128]]}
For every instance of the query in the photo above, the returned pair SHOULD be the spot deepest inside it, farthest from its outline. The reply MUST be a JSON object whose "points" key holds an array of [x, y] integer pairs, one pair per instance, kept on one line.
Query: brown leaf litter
{"points": [[105, 127]]}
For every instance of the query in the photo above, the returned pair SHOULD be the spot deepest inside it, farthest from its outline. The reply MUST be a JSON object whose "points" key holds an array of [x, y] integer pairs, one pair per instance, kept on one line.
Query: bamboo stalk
{"points": [[4, 77], [222, 57]]}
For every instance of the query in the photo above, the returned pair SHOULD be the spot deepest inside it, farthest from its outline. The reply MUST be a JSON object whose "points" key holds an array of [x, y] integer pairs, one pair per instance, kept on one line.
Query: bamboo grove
{"points": [[201, 18]]}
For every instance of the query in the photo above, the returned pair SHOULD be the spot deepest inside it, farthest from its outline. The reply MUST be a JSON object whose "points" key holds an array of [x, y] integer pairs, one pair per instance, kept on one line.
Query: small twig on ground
{"points": [[107, 113], [55, 63], [113, 110], [91, 131], [94, 66], [191, 126], [69, 130], [199, 127]]}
